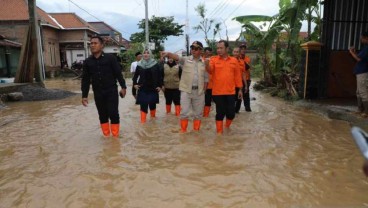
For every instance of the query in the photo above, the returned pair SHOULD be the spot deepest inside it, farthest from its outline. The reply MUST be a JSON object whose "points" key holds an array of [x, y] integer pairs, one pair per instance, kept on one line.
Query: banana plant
{"points": [[264, 40]]}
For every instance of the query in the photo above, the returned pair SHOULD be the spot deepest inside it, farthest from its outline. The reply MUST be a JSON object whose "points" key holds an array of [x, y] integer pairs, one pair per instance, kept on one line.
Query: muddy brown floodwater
{"points": [[52, 154]]}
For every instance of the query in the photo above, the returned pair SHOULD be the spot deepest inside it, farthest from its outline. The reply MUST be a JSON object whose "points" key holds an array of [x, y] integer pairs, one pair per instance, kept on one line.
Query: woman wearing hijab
{"points": [[171, 77], [148, 81]]}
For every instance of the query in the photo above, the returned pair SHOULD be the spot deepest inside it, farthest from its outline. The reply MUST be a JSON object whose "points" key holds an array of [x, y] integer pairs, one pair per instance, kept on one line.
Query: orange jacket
{"points": [[226, 75], [247, 72]]}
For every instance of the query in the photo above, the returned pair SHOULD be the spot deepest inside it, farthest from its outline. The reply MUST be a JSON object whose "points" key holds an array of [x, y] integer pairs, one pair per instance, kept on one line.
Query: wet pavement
{"points": [[52, 154]]}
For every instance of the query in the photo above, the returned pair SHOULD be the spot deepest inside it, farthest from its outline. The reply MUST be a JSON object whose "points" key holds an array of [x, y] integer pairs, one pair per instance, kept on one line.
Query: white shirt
{"points": [[133, 66]]}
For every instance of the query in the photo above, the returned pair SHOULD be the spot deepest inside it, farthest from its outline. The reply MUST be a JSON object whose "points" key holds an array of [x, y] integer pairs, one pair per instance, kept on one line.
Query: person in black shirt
{"points": [[102, 70], [148, 82]]}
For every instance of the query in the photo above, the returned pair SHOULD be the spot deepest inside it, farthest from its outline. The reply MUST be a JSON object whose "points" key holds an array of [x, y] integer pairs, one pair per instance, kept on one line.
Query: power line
{"points": [[93, 15], [215, 8], [85, 10], [235, 10], [221, 9]]}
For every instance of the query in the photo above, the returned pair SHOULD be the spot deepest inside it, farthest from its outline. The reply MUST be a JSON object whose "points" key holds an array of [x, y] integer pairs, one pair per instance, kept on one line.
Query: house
{"points": [[106, 30], [343, 23], [9, 56], [64, 36], [113, 38], [74, 35]]}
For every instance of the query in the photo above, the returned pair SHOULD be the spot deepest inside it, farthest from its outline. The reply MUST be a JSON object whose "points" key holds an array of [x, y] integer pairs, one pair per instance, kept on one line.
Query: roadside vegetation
{"points": [[276, 38]]}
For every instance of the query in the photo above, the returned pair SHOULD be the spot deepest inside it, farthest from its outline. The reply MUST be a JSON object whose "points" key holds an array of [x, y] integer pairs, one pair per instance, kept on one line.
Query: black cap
{"points": [[243, 45], [197, 44], [138, 53]]}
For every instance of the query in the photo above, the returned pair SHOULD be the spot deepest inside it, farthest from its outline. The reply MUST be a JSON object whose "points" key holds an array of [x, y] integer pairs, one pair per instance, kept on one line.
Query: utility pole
{"points": [[147, 32], [31, 61], [187, 29]]}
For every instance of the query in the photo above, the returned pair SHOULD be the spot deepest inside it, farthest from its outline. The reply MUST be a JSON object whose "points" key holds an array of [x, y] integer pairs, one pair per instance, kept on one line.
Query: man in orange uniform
{"points": [[238, 101], [246, 58], [225, 78]]}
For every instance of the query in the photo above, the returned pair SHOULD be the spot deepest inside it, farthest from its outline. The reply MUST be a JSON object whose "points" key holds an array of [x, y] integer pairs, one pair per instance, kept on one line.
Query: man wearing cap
{"points": [[246, 59], [192, 86], [226, 77]]}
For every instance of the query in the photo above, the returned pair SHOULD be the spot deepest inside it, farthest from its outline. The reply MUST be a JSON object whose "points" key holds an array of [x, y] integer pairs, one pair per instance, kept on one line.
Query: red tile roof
{"points": [[13, 10], [71, 21], [17, 10], [45, 18]]}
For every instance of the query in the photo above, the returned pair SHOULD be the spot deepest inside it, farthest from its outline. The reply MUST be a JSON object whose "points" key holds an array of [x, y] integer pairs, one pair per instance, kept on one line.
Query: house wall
{"points": [[14, 31], [51, 50], [71, 36], [343, 23], [112, 49]]}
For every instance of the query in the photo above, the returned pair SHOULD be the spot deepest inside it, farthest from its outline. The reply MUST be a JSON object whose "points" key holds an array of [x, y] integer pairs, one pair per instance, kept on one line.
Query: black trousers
{"points": [[237, 100], [246, 97], [224, 106], [172, 96], [208, 97], [144, 107], [107, 103]]}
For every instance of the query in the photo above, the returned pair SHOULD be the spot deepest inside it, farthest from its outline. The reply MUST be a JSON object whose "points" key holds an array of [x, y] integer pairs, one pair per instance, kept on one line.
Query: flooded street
{"points": [[52, 154]]}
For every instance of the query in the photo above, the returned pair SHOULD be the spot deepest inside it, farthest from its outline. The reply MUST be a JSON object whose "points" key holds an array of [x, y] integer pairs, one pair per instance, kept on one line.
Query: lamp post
{"points": [[146, 24]]}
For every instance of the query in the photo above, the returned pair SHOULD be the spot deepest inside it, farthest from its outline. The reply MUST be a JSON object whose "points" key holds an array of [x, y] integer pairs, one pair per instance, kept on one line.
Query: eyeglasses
{"points": [[195, 48]]}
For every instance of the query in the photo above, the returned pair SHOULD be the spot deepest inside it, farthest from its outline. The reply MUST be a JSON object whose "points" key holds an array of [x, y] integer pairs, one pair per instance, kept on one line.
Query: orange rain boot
{"points": [[219, 127], [143, 117], [206, 111], [105, 129], [153, 113], [228, 123], [115, 128], [184, 125], [168, 108], [177, 110], [196, 125]]}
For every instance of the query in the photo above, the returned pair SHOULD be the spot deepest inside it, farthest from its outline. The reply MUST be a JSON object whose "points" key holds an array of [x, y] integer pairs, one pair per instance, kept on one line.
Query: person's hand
{"points": [[122, 92], [207, 61], [158, 89], [163, 89], [136, 87], [85, 102], [163, 54], [352, 49], [240, 94]]}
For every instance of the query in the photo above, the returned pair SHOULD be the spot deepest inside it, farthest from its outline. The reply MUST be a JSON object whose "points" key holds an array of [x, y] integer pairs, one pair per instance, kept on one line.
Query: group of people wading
{"points": [[190, 83]]}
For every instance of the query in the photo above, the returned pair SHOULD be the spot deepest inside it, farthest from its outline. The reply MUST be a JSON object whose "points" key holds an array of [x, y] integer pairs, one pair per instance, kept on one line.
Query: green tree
{"points": [[205, 25], [289, 19], [129, 56], [159, 29]]}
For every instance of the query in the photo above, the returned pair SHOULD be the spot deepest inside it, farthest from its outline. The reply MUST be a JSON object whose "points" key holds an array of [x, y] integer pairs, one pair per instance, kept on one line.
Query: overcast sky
{"points": [[124, 15]]}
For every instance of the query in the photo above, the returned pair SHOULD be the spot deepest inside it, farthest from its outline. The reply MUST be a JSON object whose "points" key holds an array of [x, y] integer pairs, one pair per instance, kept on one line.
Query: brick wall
{"points": [[14, 31]]}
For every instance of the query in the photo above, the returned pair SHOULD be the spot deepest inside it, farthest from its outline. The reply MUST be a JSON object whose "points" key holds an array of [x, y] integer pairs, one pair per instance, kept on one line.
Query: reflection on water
{"points": [[52, 154]]}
